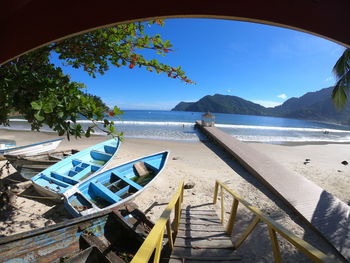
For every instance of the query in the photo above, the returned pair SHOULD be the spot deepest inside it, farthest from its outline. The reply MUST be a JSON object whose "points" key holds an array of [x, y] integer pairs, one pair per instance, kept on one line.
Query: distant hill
{"points": [[222, 104], [316, 106]]}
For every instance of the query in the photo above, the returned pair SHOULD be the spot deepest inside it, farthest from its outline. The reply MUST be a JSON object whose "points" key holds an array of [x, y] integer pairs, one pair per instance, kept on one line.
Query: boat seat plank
{"points": [[104, 192], [110, 149], [99, 155], [123, 190], [79, 163], [78, 176], [113, 184], [130, 182], [72, 172], [76, 162], [63, 178], [47, 181]]}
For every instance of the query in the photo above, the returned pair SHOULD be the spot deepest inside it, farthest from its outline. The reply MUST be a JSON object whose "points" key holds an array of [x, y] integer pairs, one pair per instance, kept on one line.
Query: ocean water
{"points": [[179, 126]]}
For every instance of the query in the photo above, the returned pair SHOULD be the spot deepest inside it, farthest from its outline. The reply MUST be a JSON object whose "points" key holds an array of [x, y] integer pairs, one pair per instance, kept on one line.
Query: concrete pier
{"points": [[326, 213]]}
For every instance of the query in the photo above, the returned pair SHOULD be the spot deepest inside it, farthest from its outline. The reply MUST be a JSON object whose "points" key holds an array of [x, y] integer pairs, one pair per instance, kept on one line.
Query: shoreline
{"points": [[201, 163], [8, 135]]}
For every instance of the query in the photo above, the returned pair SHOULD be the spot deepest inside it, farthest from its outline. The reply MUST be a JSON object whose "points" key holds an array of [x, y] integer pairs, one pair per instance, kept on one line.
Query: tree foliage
{"points": [[39, 90], [342, 72]]}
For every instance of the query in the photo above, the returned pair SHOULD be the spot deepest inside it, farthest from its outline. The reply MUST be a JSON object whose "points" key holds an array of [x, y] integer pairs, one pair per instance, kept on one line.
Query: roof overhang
{"points": [[29, 24]]}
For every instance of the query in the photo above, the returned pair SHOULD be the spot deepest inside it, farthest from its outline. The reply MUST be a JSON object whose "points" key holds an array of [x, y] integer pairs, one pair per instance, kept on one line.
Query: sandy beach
{"points": [[200, 163]]}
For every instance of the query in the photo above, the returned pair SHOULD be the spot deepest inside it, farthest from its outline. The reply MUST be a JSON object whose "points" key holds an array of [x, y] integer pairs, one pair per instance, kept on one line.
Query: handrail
{"points": [[313, 253], [155, 238]]}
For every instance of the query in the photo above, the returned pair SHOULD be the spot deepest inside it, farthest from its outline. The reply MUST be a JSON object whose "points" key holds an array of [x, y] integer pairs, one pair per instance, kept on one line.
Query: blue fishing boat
{"points": [[115, 186], [58, 178]]}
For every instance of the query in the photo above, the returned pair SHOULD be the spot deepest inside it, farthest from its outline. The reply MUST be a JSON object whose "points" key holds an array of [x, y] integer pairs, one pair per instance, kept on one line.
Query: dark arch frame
{"points": [[28, 24]]}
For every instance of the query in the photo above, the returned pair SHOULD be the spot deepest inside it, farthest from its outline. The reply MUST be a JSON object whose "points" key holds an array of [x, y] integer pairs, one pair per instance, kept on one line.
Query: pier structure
{"points": [[319, 209]]}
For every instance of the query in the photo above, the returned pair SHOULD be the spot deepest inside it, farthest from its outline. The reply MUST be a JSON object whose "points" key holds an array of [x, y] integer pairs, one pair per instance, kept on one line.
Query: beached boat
{"points": [[31, 149], [109, 236], [58, 178], [115, 186], [30, 166]]}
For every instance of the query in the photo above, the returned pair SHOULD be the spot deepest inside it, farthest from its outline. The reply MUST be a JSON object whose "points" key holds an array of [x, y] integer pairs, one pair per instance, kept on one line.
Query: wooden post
{"points": [[177, 215], [232, 219], [216, 188], [170, 234], [275, 246], [158, 248]]}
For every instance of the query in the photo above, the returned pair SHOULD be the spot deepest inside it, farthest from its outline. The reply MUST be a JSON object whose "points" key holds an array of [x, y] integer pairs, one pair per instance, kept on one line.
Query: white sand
{"points": [[202, 164]]}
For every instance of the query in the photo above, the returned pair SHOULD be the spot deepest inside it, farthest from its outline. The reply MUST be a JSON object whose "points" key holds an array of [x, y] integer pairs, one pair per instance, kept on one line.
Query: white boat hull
{"points": [[33, 149]]}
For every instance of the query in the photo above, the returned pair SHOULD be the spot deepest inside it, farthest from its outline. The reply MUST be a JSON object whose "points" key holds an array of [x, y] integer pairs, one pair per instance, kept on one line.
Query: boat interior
{"points": [[103, 237], [63, 175], [115, 185]]}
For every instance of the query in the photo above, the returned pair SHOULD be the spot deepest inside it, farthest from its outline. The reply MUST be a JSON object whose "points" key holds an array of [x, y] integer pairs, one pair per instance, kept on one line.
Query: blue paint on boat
{"points": [[60, 177], [113, 187]]}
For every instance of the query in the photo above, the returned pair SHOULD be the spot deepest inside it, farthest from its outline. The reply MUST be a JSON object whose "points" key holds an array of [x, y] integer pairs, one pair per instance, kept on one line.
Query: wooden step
{"points": [[202, 238]]}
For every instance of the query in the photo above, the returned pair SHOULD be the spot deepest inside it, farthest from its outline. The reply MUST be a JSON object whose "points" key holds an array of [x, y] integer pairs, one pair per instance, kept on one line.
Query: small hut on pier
{"points": [[208, 120]]}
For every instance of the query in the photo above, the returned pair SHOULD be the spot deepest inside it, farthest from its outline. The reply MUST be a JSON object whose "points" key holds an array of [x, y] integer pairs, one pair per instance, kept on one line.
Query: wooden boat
{"points": [[109, 236], [32, 149], [115, 186], [58, 178], [32, 165]]}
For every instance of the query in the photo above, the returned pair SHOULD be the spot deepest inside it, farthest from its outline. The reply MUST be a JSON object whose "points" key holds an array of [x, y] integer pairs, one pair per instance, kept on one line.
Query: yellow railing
{"points": [[273, 227], [154, 240]]}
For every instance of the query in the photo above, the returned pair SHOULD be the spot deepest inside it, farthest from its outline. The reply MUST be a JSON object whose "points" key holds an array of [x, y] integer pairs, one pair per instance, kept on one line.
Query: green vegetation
{"points": [[341, 70], [39, 91]]}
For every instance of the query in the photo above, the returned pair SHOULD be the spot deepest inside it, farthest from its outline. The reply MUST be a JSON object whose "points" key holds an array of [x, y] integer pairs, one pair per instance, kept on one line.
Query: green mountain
{"points": [[316, 106], [222, 104]]}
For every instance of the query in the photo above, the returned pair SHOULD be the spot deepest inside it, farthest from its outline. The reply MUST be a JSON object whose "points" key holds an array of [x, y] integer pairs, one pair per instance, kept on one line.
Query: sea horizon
{"points": [[179, 126]]}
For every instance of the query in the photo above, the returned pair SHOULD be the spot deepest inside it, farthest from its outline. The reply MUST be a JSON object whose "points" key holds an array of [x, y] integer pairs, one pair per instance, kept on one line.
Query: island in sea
{"points": [[316, 106]]}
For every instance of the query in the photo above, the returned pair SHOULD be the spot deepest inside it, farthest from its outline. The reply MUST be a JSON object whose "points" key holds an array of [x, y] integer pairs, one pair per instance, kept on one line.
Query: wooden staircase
{"points": [[196, 234], [202, 238]]}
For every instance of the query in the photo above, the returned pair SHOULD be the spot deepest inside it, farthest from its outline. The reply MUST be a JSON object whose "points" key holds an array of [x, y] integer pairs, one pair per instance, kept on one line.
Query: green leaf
{"points": [[39, 117], [36, 105]]}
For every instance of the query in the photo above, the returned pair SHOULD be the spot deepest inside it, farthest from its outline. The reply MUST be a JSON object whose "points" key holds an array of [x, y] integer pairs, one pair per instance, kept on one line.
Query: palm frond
{"points": [[341, 90], [342, 71], [343, 64]]}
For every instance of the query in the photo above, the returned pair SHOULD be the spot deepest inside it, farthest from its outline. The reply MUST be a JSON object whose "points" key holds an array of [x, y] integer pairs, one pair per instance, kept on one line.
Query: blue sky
{"points": [[260, 63]]}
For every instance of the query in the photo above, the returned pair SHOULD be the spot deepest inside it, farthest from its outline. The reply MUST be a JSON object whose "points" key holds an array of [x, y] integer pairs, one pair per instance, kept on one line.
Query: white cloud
{"points": [[329, 79], [229, 91], [282, 96], [267, 103]]}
